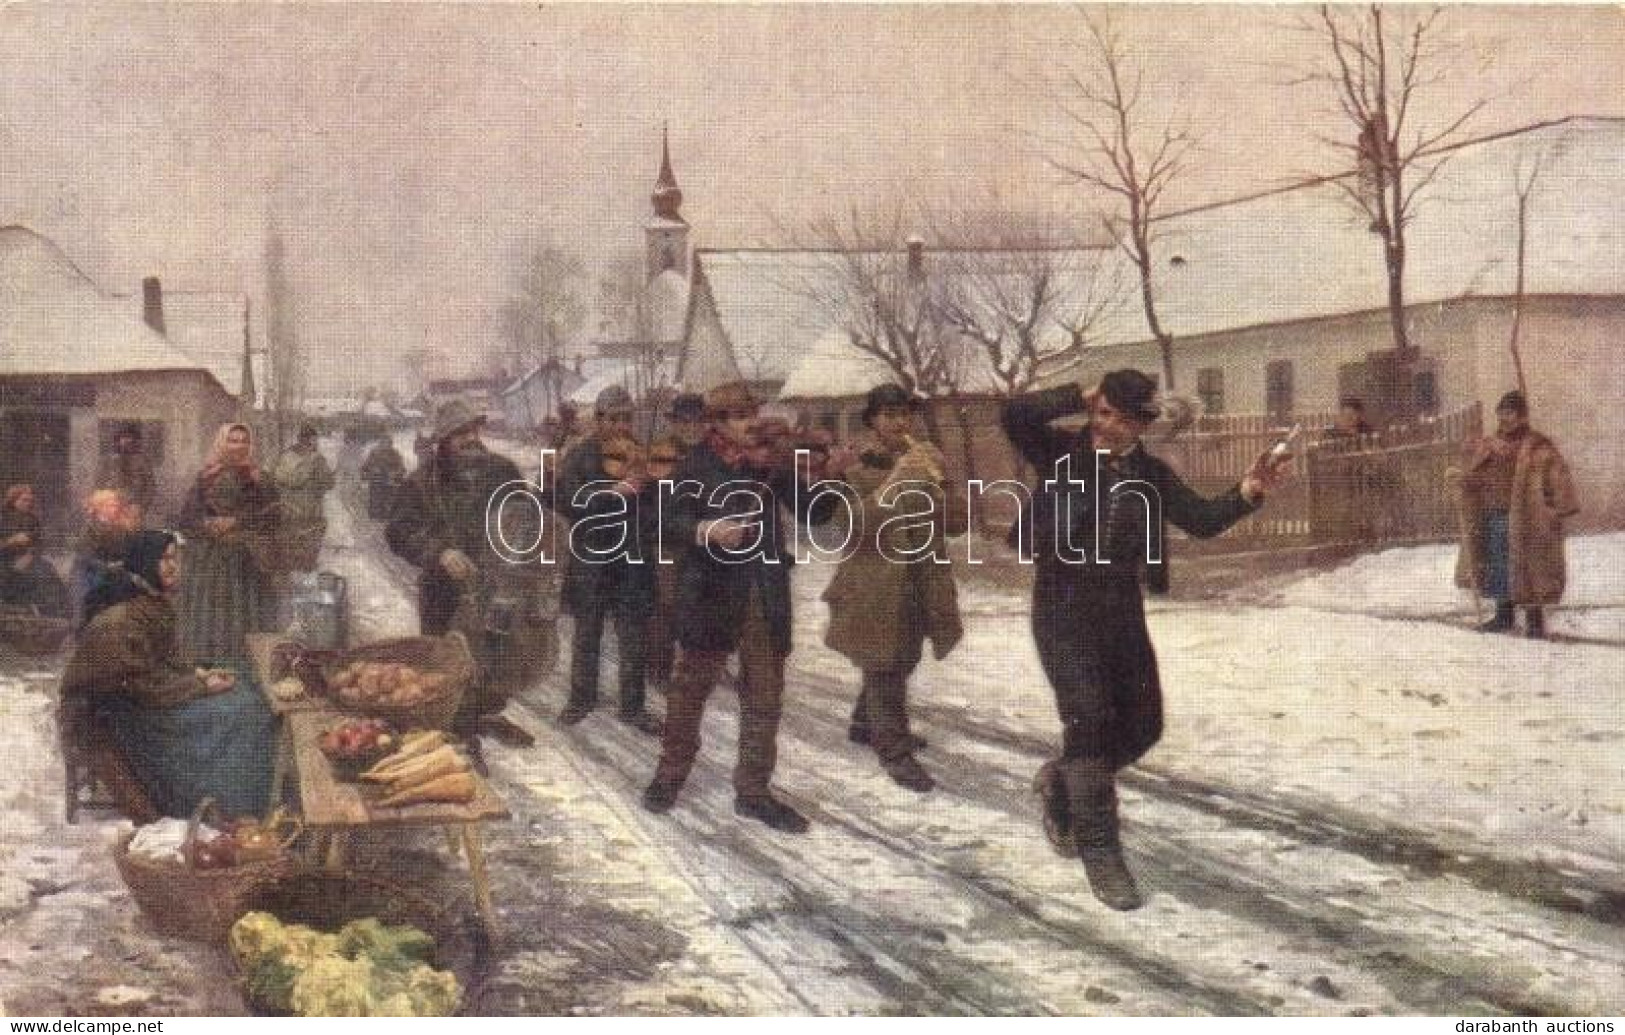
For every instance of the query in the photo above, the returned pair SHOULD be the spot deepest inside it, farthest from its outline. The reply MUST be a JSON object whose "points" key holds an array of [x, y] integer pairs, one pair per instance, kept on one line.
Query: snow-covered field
{"points": [[1350, 784]]}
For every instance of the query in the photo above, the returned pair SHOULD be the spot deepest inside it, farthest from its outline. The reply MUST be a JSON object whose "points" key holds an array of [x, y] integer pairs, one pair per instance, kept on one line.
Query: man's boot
{"points": [[1503, 620], [1050, 786], [1092, 787], [1536, 628]]}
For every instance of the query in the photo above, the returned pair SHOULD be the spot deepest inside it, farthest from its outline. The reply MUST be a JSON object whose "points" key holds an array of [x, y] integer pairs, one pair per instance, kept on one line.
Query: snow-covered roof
{"points": [[54, 320], [602, 373], [208, 326], [1304, 253], [1292, 254]]}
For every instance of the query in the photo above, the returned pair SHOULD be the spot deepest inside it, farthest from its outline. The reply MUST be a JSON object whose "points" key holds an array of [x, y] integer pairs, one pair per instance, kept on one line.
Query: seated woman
{"points": [[27, 579], [187, 734]]}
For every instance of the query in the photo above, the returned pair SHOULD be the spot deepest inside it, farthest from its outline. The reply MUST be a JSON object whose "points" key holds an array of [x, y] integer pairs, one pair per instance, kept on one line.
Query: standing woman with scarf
{"points": [[186, 733], [227, 593]]}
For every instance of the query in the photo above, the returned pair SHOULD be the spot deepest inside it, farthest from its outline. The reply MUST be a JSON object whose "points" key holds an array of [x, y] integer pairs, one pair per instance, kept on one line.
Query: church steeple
{"points": [[667, 196], [666, 233]]}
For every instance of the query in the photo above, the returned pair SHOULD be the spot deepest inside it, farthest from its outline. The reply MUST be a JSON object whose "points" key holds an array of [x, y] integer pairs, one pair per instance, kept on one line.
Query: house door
{"points": [[34, 449]]}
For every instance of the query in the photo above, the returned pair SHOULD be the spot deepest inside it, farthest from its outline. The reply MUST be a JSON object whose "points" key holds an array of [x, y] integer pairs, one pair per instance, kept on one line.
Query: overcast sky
{"points": [[412, 155]]}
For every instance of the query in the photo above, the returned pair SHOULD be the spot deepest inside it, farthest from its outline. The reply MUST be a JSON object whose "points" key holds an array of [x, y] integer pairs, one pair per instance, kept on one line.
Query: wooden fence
{"points": [[1390, 486]]}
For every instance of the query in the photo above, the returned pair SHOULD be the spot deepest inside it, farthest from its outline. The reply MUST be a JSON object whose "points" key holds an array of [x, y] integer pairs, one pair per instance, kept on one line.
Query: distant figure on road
{"points": [[302, 477], [383, 470], [1516, 493]]}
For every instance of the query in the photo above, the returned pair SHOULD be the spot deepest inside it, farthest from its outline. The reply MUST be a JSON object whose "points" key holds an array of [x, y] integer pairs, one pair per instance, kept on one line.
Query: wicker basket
{"points": [[26, 632], [326, 901], [191, 903], [444, 655]]}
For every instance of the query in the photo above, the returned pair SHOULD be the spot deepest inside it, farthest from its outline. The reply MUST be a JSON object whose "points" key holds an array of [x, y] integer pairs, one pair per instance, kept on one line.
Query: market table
{"points": [[335, 808]]}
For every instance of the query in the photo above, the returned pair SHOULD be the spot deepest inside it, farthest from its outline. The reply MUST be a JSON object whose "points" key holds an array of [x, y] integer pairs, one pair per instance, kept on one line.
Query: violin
{"points": [[625, 460]]}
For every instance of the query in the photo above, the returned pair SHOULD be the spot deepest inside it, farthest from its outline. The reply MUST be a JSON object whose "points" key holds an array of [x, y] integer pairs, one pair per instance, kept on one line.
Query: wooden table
{"points": [[261, 648], [333, 808]]}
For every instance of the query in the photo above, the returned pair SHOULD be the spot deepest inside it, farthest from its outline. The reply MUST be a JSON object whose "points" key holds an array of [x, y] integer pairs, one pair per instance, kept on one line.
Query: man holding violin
{"points": [[733, 596], [607, 489]]}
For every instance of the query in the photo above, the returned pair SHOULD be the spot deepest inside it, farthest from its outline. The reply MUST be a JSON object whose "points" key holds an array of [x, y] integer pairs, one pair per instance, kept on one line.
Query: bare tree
{"points": [[1113, 145], [1015, 289], [1380, 65], [623, 300], [1523, 184], [546, 312], [872, 283], [627, 317], [285, 395]]}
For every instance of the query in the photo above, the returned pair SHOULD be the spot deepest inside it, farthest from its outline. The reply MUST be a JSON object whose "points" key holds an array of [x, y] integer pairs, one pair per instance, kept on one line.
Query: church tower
{"points": [[666, 233]]}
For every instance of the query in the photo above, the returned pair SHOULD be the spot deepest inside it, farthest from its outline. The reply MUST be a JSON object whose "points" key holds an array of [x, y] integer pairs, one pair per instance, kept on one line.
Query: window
{"points": [[152, 437], [1210, 387], [1427, 392], [1278, 389]]}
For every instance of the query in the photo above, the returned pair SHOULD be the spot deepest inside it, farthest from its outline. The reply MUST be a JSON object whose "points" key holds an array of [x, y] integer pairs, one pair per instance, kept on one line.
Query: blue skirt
{"points": [[217, 747]]}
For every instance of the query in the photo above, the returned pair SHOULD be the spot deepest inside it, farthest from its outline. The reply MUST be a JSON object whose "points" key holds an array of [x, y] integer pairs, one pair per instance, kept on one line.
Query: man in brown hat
{"points": [[733, 596], [1088, 616], [440, 527]]}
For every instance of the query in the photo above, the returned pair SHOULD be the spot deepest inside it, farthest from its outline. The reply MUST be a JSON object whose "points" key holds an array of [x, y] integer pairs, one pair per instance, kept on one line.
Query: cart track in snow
{"points": [[803, 914]]}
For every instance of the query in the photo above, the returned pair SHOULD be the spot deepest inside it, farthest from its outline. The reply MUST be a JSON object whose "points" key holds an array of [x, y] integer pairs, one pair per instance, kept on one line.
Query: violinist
{"points": [[685, 429], [733, 597], [607, 488]]}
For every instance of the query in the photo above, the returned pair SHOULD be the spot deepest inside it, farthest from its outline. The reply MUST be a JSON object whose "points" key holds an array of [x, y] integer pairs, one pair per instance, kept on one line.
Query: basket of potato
{"points": [[414, 682]]}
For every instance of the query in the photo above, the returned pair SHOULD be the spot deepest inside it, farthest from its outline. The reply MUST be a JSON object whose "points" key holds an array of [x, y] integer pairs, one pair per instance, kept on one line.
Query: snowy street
{"points": [[1322, 830]]}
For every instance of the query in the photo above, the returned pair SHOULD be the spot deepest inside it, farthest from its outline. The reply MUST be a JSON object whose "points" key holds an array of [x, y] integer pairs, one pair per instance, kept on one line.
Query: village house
{"points": [[75, 365], [1277, 305]]}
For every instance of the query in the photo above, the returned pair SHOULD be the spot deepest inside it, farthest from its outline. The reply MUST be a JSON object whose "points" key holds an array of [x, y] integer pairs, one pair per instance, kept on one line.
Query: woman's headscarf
{"points": [[219, 458], [134, 576]]}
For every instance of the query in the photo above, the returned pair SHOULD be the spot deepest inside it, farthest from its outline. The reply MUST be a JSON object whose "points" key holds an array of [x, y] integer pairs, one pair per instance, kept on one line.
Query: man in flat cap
{"points": [[1087, 613]]}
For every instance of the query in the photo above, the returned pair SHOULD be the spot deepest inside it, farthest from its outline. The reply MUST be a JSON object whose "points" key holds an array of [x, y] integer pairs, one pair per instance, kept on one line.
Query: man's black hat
{"points": [[1514, 401], [1132, 394], [686, 406], [887, 397]]}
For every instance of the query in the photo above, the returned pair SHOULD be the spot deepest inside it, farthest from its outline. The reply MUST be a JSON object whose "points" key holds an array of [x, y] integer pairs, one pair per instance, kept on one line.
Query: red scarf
{"points": [[727, 450]]}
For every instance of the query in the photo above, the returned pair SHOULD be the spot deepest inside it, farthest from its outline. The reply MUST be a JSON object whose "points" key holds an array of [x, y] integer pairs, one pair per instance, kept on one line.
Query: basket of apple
{"points": [[355, 744]]}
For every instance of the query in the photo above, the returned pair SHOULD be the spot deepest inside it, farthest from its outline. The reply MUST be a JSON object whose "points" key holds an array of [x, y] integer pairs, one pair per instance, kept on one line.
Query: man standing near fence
{"points": [[1090, 543], [1515, 494]]}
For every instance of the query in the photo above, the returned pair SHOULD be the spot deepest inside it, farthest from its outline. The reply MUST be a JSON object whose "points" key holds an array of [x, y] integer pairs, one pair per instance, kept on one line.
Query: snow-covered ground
{"points": [[1364, 688], [1360, 806]]}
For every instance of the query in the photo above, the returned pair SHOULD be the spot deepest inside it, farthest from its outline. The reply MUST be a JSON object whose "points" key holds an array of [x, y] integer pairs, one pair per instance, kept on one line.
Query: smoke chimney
{"points": [[916, 256], [152, 304]]}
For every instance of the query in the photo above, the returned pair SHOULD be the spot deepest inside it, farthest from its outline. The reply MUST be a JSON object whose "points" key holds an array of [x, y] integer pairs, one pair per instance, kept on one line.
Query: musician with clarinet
{"points": [[608, 492], [896, 589]]}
